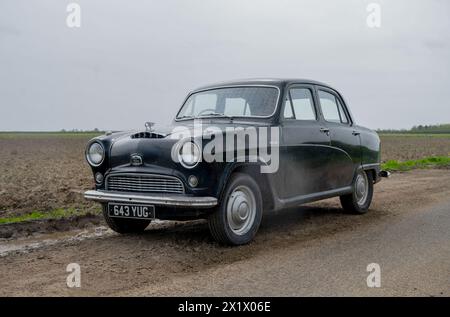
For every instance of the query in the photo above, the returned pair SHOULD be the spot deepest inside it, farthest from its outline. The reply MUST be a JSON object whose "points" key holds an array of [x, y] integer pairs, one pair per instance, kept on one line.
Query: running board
{"points": [[298, 200]]}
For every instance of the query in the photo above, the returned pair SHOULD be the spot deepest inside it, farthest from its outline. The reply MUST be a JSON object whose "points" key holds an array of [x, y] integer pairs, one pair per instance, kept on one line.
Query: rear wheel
{"points": [[359, 200], [237, 218], [122, 225]]}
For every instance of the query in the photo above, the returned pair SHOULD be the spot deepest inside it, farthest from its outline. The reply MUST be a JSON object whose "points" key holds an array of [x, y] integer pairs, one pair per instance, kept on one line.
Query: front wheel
{"points": [[237, 218], [359, 200], [122, 225]]}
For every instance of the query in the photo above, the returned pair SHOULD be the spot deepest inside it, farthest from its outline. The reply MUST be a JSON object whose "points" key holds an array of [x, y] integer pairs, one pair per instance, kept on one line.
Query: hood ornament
{"points": [[149, 126]]}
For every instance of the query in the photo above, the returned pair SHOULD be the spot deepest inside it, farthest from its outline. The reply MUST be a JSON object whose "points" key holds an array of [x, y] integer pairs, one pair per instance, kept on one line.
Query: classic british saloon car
{"points": [[307, 141]]}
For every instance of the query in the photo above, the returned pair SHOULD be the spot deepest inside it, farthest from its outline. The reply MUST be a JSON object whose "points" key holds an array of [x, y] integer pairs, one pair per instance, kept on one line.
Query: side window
{"points": [[329, 107], [344, 118], [187, 110], [302, 106], [288, 114]]}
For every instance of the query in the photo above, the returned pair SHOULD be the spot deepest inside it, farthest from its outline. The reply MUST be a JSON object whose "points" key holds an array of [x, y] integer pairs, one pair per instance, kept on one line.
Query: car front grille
{"points": [[144, 183]]}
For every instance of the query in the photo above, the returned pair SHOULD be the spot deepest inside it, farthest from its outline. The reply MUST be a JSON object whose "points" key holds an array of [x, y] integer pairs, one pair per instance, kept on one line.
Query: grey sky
{"points": [[134, 61]]}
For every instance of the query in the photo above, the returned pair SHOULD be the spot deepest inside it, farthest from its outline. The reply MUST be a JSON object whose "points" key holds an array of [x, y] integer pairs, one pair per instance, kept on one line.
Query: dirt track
{"points": [[312, 250]]}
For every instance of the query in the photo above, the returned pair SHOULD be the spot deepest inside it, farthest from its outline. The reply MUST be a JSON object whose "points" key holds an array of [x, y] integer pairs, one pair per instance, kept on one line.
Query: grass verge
{"points": [[38, 215], [428, 162]]}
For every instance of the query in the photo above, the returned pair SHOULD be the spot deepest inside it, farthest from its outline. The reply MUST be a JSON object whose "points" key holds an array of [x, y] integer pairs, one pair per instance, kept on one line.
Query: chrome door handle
{"points": [[356, 132], [325, 130]]}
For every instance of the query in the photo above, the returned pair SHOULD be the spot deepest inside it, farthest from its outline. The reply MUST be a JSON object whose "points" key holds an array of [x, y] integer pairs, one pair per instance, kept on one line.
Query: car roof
{"points": [[278, 82]]}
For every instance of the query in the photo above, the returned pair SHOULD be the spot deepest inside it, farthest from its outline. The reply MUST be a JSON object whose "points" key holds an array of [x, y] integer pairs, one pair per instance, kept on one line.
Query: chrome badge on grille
{"points": [[136, 160]]}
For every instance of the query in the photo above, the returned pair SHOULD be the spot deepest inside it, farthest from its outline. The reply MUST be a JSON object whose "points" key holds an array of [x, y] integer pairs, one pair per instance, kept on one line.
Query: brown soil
{"points": [[42, 173], [403, 148], [36, 227], [160, 261]]}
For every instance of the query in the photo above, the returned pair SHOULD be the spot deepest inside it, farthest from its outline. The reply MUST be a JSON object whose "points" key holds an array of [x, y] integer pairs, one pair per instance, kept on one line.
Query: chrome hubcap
{"points": [[361, 188], [241, 210]]}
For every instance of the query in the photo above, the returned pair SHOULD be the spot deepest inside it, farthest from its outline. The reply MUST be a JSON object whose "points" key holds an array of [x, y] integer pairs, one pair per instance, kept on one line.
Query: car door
{"points": [[344, 136], [304, 155]]}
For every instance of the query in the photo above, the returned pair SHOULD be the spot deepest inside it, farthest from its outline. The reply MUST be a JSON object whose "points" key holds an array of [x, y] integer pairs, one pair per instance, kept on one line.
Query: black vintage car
{"points": [[236, 150]]}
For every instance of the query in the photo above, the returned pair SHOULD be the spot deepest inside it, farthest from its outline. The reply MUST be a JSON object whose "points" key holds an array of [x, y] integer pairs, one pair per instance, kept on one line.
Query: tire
{"points": [[238, 216], [359, 200], [121, 225]]}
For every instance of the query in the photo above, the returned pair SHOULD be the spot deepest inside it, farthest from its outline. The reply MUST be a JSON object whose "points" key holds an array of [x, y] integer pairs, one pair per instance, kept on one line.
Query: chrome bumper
{"points": [[151, 199]]}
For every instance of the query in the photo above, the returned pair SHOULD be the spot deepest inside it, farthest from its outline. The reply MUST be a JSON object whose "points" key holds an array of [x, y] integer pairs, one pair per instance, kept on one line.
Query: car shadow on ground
{"points": [[190, 245], [286, 222]]}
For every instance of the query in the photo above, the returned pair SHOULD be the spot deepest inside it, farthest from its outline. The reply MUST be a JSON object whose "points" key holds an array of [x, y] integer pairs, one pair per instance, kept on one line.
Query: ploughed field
{"points": [[47, 172], [43, 172], [403, 147]]}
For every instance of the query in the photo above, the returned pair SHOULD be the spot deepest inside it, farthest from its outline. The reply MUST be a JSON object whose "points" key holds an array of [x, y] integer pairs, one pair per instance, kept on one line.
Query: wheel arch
{"points": [[253, 170], [374, 170]]}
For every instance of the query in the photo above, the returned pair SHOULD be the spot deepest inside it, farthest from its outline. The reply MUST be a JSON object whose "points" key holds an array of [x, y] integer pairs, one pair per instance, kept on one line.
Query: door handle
{"points": [[356, 132], [325, 130]]}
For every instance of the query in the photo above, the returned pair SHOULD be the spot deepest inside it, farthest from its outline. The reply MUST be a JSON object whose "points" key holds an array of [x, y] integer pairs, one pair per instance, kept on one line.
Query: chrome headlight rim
{"points": [[87, 154], [180, 155]]}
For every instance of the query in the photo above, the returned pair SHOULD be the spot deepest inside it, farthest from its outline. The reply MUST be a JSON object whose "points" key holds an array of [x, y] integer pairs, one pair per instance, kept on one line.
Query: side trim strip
{"points": [[298, 200]]}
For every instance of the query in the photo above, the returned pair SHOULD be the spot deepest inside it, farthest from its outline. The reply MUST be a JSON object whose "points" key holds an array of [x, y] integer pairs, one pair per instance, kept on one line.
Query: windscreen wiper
{"points": [[217, 114], [185, 117]]}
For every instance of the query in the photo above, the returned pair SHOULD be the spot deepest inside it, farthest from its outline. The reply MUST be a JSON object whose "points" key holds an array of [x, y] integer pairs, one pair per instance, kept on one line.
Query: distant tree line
{"points": [[432, 129], [81, 131]]}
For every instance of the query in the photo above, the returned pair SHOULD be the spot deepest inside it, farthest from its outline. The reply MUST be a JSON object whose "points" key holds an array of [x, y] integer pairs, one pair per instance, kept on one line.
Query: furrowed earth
{"points": [[47, 172]]}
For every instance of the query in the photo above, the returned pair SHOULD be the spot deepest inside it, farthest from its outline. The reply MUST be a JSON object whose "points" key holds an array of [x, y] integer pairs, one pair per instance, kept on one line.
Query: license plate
{"points": [[131, 211]]}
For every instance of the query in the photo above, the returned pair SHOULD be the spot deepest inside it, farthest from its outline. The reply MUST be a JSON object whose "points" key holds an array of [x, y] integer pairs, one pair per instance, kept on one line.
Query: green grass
{"points": [[435, 161], [38, 215]]}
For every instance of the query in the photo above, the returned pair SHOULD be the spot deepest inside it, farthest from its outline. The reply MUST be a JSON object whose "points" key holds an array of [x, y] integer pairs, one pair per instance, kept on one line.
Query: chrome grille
{"points": [[144, 183]]}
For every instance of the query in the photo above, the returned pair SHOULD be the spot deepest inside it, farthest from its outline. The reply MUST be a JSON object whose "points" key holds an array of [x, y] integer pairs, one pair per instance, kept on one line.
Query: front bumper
{"points": [[151, 199]]}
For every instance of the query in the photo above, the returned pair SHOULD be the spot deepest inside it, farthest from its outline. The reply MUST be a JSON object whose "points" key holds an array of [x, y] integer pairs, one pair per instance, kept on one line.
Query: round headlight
{"points": [[189, 155], [95, 154]]}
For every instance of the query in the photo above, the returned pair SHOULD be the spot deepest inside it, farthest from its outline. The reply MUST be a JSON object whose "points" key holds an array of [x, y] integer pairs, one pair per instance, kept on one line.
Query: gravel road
{"points": [[310, 250]]}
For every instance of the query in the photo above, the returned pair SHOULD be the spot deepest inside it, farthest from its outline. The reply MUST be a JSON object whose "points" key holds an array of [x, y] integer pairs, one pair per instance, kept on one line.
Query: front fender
{"points": [[253, 168]]}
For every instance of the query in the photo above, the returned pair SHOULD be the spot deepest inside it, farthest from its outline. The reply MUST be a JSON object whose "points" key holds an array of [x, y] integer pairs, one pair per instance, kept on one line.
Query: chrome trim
{"points": [[149, 126], [302, 199], [180, 157], [385, 174], [370, 165], [228, 86], [152, 184], [136, 159], [86, 151], [158, 199], [241, 210]]}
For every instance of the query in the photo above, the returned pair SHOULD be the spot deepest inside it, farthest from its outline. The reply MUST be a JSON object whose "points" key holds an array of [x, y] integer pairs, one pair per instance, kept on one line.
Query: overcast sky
{"points": [[134, 61]]}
